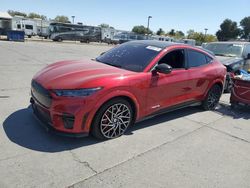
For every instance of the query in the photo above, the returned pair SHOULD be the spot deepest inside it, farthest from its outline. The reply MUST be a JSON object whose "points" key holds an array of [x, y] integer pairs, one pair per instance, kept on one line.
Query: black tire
{"points": [[59, 39], [212, 98], [98, 129]]}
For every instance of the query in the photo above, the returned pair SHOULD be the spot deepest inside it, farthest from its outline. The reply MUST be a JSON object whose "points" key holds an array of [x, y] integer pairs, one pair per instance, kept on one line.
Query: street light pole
{"points": [[73, 19], [41, 31], [148, 25], [205, 34]]}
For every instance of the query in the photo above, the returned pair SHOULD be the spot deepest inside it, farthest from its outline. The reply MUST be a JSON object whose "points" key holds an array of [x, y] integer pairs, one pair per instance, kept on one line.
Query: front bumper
{"points": [[54, 125]]}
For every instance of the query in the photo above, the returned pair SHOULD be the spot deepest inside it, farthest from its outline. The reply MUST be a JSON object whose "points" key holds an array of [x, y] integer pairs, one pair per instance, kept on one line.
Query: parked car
{"points": [[131, 82], [234, 55]]}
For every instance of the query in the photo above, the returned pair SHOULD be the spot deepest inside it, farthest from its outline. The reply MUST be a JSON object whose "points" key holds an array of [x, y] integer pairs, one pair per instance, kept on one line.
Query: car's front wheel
{"points": [[212, 98], [112, 119]]}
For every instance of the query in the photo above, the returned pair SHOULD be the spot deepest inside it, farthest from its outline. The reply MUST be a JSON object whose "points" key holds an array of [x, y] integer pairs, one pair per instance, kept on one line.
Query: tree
{"points": [[190, 32], [104, 25], [176, 34], [63, 19], [171, 33], [140, 29], [228, 30], [33, 15], [199, 37], [245, 24], [16, 13], [210, 38], [179, 35], [44, 17], [160, 32]]}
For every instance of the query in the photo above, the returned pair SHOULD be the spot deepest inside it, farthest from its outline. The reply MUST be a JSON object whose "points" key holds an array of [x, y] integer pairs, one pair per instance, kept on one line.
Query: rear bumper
{"points": [[240, 92]]}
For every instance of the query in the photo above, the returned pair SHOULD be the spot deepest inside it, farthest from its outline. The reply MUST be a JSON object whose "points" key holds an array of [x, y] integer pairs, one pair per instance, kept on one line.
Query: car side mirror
{"points": [[163, 68]]}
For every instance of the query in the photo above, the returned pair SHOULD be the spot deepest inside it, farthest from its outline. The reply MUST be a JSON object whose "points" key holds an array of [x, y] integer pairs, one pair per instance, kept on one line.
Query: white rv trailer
{"points": [[24, 24], [108, 34], [42, 27]]}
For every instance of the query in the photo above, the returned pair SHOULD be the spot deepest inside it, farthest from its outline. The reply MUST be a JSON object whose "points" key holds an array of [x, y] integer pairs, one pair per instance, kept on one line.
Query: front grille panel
{"points": [[40, 94], [42, 114]]}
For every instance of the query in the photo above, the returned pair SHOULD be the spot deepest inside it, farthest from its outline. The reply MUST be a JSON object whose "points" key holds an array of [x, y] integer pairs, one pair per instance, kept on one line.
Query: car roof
{"points": [[156, 43], [165, 44]]}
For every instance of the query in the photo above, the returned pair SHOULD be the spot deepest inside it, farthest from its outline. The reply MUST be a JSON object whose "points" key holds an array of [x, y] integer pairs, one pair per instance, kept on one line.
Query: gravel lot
{"points": [[185, 148]]}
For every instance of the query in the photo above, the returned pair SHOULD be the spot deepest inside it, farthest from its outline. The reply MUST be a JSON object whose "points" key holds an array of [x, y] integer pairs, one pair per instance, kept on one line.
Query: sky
{"points": [[179, 15]]}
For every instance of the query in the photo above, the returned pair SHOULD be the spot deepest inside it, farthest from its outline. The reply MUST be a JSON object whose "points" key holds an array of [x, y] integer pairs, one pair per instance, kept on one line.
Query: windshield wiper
{"points": [[114, 65], [118, 66]]}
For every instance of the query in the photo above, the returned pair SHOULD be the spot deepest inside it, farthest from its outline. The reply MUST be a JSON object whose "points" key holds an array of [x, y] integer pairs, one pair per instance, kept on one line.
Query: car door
{"points": [[200, 73], [166, 90]]}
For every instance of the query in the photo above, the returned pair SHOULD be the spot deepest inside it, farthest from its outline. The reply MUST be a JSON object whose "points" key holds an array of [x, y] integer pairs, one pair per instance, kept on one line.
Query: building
{"points": [[5, 23]]}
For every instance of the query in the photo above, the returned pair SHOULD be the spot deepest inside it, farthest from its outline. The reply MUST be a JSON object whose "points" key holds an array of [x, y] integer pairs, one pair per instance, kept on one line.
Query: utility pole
{"points": [[148, 26], [205, 34]]}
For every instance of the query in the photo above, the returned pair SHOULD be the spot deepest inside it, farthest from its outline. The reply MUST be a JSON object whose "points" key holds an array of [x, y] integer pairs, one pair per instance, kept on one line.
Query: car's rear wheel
{"points": [[112, 119], [212, 98]]}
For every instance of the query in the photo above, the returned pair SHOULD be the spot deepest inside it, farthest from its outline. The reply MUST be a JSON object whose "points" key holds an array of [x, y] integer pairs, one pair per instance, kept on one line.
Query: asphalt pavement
{"points": [[185, 148]]}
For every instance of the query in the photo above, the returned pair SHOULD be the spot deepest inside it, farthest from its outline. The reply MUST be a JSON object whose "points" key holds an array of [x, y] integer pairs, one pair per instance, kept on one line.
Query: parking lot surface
{"points": [[185, 148]]}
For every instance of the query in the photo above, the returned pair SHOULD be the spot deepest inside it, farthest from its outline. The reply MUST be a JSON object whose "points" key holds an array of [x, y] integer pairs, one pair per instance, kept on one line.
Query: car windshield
{"points": [[130, 56], [225, 49]]}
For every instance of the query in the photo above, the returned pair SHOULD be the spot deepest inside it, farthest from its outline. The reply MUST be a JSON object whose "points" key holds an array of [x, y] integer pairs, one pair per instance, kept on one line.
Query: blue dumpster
{"points": [[13, 35]]}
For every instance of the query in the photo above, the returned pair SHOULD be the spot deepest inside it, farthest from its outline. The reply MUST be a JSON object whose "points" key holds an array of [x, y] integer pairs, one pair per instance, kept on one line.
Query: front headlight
{"points": [[76, 92]]}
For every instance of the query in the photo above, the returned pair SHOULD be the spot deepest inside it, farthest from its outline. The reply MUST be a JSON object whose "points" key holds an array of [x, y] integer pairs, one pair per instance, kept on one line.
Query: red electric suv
{"points": [[130, 82]]}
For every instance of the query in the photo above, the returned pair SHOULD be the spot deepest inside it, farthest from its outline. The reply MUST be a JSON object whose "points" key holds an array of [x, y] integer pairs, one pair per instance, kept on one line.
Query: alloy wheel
{"points": [[115, 120], [213, 97]]}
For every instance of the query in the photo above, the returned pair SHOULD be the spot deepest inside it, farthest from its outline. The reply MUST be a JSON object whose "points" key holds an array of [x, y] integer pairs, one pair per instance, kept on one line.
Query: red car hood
{"points": [[76, 74]]}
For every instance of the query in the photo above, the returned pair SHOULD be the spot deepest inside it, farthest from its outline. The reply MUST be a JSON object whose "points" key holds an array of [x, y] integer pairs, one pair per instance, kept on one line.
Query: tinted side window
{"points": [[176, 59], [28, 26], [64, 29], [196, 59]]}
